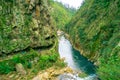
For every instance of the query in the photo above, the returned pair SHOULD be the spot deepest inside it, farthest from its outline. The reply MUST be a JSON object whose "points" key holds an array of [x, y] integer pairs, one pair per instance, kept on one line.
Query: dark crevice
{"points": [[39, 48], [49, 37]]}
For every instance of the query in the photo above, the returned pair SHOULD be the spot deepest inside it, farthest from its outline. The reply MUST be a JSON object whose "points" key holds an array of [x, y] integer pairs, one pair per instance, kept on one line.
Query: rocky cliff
{"points": [[95, 29], [25, 24]]}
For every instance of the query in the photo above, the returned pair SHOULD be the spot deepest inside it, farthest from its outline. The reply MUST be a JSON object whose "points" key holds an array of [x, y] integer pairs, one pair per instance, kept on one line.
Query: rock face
{"points": [[95, 29], [25, 24]]}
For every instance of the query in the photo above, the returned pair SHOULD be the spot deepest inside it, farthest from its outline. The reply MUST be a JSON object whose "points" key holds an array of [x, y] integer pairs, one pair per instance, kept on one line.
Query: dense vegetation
{"points": [[26, 31], [31, 60], [28, 24], [61, 13], [23, 24], [26, 27], [95, 30]]}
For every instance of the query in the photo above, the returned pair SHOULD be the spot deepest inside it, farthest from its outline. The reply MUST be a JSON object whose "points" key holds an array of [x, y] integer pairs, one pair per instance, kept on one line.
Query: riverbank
{"points": [[76, 45], [75, 60], [44, 65]]}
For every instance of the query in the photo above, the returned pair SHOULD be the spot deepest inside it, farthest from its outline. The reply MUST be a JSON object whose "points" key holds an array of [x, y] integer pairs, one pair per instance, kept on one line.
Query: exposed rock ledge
{"points": [[53, 73]]}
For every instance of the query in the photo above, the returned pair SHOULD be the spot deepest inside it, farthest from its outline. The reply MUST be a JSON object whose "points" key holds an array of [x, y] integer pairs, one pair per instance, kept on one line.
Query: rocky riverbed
{"points": [[54, 73]]}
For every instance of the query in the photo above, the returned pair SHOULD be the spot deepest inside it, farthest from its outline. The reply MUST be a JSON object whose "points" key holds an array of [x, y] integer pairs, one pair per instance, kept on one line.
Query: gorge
{"points": [[30, 46]]}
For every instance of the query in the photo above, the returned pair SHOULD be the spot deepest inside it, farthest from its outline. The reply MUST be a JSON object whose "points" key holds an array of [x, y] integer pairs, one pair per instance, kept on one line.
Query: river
{"points": [[75, 60]]}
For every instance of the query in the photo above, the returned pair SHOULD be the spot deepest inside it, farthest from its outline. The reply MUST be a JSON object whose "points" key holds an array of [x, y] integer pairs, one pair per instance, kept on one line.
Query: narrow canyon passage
{"points": [[74, 59]]}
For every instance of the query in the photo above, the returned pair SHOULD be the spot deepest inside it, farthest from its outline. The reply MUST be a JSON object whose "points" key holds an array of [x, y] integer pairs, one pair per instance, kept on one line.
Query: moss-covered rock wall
{"points": [[25, 24], [95, 29]]}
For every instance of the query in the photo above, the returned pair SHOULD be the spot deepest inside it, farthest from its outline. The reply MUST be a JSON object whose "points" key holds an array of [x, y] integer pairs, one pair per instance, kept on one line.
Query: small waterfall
{"points": [[65, 51]]}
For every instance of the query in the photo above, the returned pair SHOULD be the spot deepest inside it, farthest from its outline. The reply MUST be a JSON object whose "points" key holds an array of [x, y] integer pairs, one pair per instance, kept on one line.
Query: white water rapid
{"points": [[66, 52]]}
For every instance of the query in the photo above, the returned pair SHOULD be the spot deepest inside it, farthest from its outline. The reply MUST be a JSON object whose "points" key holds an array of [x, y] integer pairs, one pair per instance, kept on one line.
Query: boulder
{"points": [[20, 69]]}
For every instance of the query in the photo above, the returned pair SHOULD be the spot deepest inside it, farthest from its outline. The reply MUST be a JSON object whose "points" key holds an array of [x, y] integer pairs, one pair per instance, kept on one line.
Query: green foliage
{"points": [[47, 61], [95, 27], [61, 14], [44, 61], [7, 66], [13, 27], [109, 68], [20, 28]]}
